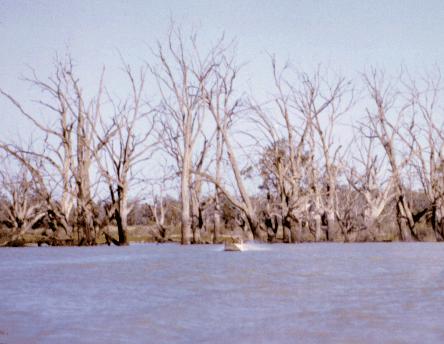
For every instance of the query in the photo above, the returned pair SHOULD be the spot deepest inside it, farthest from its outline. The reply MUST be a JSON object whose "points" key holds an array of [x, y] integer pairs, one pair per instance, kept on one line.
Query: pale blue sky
{"points": [[345, 35]]}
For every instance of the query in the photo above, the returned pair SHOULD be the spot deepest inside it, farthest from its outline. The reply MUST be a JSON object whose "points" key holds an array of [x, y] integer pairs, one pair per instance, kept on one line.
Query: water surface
{"points": [[308, 293]]}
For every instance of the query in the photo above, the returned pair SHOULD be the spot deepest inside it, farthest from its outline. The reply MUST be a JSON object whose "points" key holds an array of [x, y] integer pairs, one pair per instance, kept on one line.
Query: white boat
{"points": [[233, 247]]}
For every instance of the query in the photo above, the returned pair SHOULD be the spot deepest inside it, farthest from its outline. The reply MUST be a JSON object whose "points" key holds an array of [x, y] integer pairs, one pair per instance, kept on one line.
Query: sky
{"points": [[348, 36]]}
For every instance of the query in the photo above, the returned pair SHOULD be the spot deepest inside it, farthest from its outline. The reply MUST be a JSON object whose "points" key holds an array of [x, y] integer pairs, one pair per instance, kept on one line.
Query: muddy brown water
{"points": [[306, 293]]}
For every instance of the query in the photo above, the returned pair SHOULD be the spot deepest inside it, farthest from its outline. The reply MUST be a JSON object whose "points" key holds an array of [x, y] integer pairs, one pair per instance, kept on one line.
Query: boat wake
{"points": [[254, 246], [246, 246]]}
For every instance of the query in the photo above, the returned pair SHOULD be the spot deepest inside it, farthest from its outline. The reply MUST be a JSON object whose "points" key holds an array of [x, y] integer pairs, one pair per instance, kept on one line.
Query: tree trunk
{"points": [[255, 227], [196, 224], [85, 220], [185, 201], [403, 229], [196, 236], [284, 226], [217, 191], [332, 228], [285, 221], [196, 210], [258, 233], [216, 218], [438, 220], [270, 221], [286, 232], [160, 219], [405, 221], [85, 224], [318, 230], [296, 232], [122, 217], [370, 226]]}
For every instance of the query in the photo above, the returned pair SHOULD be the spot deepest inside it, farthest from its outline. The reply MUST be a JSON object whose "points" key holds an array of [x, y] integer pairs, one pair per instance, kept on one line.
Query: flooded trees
{"points": [[21, 204], [322, 100], [87, 114], [223, 105], [302, 158], [385, 121], [425, 138], [65, 152], [180, 72], [158, 211], [283, 165], [90, 147], [122, 145], [374, 188]]}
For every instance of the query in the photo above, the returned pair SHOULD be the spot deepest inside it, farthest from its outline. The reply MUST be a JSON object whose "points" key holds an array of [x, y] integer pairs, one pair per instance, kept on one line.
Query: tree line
{"points": [[335, 159]]}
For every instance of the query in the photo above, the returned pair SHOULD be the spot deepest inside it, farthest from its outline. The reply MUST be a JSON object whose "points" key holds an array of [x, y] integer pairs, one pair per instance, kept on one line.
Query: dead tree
{"points": [[283, 162], [124, 144], [384, 122], [307, 155], [223, 104], [425, 137], [163, 209], [217, 191], [323, 102], [84, 205], [22, 205], [56, 151], [158, 211], [57, 216], [348, 212], [367, 179], [67, 147], [180, 73], [197, 205]]}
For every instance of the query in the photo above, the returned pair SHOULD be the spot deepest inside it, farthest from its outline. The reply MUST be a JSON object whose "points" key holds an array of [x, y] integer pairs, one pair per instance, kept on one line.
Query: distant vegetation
{"points": [[81, 180]]}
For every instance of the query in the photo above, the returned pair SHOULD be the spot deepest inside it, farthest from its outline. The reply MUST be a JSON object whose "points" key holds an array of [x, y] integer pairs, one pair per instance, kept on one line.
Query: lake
{"points": [[304, 293]]}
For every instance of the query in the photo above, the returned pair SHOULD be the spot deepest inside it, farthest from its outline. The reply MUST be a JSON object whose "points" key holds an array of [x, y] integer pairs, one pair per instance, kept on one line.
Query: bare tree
{"points": [[384, 123], [425, 137], [368, 180], [88, 114], [125, 143], [197, 204], [217, 192], [22, 206], [348, 212], [224, 106], [323, 102], [283, 163], [180, 74], [67, 148], [158, 211], [308, 109]]}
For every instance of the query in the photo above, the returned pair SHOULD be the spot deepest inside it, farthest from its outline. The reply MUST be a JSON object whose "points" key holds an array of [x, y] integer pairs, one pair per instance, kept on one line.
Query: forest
{"points": [[190, 155]]}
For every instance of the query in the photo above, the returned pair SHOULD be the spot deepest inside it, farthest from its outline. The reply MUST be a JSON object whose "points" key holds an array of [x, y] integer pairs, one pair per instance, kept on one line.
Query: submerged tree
{"points": [[67, 149], [425, 138], [221, 142], [384, 123], [180, 73], [21, 204], [125, 143], [367, 179]]}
